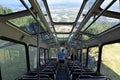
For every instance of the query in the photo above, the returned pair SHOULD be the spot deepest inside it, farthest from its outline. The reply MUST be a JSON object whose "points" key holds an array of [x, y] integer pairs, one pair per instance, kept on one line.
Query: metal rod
{"points": [[49, 14], [0, 74], [38, 55], [45, 55], [80, 11], [99, 59], [27, 58], [31, 12], [87, 57]]}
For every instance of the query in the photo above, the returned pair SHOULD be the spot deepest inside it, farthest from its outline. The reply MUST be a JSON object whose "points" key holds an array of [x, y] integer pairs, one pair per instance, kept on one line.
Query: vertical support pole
{"points": [[27, 57], [81, 58], [73, 52], [87, 58], [77, 54], [99, 59], [45, 55], [48, 52], [0, 73], [38, 52]]}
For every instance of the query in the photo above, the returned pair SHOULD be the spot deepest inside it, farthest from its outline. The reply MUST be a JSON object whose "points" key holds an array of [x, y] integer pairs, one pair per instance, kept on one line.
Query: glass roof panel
{"points": [[41, 4], [85, 10], [90, 20], [102, 24], [62, 35], [63, 28], [115, 7], [26, 23], [64, 10], [8, 6]]}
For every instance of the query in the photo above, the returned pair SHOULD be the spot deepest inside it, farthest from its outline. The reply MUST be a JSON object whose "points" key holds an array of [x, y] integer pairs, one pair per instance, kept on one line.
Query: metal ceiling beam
{"points": [[63, 23], [88, 15], [111, 14], [36, 8], [14, 15], [80, 11], [103, 11], [31, 12], [62, 32], [49, 15]]}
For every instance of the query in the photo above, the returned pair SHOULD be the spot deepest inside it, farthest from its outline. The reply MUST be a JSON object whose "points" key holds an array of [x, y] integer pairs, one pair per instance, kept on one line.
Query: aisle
{"points": [[63, 74]]}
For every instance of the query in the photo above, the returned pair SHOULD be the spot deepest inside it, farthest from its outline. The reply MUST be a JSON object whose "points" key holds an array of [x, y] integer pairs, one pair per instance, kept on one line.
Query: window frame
{"points": [[26, 52]]}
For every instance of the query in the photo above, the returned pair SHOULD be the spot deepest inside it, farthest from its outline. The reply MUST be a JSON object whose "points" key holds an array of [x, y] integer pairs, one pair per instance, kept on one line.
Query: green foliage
{"points": [[93, 57], [12, 61], [23, 21], [85, 37], [20, 22], [5, 10], [97, 28], [32, 55], [62, 35]]}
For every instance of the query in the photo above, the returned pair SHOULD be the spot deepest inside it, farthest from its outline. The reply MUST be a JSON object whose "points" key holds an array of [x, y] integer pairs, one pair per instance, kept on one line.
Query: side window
{"points": [[33, 57], [47, 55], [42, 56], [53, 53], [84, 51], [93, 58], [12, 60], [111, 61]]}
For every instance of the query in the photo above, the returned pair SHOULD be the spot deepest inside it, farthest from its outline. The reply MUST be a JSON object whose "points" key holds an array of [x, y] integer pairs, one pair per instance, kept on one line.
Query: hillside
{"points": [[111, 61]]}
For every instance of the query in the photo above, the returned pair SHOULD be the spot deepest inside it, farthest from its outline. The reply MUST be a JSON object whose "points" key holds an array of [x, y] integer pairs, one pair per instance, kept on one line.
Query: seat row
{"points": [[46, 72], [77, 72]]}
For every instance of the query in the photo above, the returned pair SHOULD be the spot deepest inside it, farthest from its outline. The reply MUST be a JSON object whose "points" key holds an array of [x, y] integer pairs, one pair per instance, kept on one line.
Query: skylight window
{"points": [[62, 35], [11, 6], [102, 24], [26, 23], [64, 10], [63, 28], [85, 10], [115, 7], [86, 25], [41, 4]]}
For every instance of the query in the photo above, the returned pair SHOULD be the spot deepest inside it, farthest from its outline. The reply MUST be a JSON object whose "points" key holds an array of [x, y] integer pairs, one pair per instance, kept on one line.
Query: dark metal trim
{"points": [[48, 10], [0, 74], [45, 55], [49, 14], [80, 11], [27, 58], [87, 58], [63, 23], [99, 59]]}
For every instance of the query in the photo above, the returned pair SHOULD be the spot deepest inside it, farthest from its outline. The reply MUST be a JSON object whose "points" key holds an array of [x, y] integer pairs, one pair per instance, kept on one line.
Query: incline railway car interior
{"points": [[33, 31]]}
